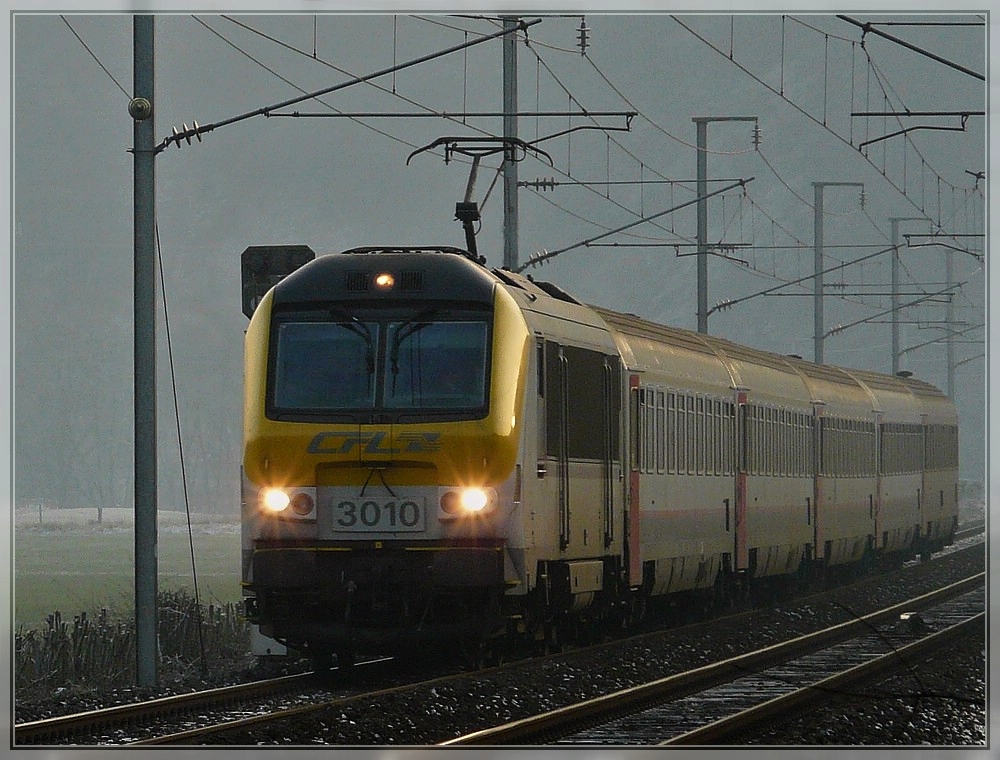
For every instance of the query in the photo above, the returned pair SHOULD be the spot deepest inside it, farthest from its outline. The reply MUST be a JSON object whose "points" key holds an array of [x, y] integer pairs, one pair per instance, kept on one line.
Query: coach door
{"points": [[582, 443]]}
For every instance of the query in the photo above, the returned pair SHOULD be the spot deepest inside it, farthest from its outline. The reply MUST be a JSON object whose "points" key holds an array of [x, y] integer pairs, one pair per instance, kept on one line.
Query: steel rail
{"points": [[49, 729], [537, 728], [32, 731], [808, 696]]}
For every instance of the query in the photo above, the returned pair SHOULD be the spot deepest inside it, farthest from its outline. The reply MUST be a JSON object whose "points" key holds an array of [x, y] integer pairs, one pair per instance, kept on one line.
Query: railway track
{"points": [[219, 715], [119, 721], [710, 704]]}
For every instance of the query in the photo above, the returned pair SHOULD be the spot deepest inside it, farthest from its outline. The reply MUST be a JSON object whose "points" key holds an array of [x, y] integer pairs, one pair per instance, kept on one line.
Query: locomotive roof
{"points": [[425, 273]]}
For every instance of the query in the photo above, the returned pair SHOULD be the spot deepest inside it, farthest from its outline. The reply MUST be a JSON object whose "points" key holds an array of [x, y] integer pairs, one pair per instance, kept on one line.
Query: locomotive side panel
{"points": [[573, 491]]}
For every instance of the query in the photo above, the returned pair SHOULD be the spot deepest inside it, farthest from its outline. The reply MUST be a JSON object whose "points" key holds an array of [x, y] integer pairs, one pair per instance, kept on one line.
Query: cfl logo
{"points": [[373, 443]]}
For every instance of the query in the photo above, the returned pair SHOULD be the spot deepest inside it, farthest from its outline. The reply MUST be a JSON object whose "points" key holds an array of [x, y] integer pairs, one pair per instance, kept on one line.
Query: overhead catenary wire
{"points": [[621, 94], [544, 256], [549, 70], [197, 130], [745, 265], [797, 107]]}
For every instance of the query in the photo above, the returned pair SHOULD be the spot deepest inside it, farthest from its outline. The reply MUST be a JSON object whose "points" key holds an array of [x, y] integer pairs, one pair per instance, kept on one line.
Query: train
{"points": [[440, 456]]}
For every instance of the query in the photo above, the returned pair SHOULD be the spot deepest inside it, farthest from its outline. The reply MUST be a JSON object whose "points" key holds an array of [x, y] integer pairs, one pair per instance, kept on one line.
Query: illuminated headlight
{"points": [[474, 499], [468, 501], [277, 500]]}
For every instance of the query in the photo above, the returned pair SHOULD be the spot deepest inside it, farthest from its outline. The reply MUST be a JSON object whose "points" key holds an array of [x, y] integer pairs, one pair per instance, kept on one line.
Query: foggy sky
{"points": [[334, 183]]}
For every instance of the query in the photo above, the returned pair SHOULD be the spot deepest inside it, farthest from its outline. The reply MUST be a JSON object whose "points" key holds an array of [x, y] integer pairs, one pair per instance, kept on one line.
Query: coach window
{"points": [[692, 433], [767, 447], [760, 420], [699, 438], [712, 445], [660, 424], [780, 466], [760, 433], [649, 411], [804, 445], [796, 444], [775, 442], [793, 443], [808, 455], [681, 434], [784, 461], [670, 435]]}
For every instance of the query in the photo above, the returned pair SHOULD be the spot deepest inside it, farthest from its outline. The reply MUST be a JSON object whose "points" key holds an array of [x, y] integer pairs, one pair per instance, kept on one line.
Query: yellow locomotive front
{"points": [[382, 388]]}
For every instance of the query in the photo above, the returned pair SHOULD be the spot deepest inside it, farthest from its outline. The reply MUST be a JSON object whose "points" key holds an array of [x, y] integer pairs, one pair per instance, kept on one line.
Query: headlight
{"points": [[474, 499], [468, 501], [274, 499], [302, 504]]}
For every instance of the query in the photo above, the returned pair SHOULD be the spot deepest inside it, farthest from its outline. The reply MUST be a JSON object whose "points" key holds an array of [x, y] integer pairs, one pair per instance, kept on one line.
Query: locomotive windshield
{"points": [[429, 364]]}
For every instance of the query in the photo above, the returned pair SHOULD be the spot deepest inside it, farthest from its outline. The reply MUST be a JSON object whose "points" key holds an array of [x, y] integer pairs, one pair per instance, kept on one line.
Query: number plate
{"points": [[380, 515]]}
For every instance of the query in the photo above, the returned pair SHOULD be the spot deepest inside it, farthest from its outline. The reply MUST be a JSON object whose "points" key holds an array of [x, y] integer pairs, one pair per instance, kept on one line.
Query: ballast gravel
{"points": [[940, 703], [897, 715]]}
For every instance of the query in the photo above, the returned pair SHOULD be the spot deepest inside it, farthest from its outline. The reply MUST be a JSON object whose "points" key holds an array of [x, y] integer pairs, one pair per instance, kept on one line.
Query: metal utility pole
{"points": [[510, 210], [701, 128], [818, 263], [144, 316], [894, 221], [949, 321]]}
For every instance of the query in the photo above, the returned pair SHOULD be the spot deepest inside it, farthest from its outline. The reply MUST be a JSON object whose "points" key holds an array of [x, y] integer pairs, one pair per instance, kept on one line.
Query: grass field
{"points": [[69, 563]]}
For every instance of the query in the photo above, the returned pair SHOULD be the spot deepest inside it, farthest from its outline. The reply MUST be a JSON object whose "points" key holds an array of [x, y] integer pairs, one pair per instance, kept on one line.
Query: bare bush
{"points": [[195, 643]]}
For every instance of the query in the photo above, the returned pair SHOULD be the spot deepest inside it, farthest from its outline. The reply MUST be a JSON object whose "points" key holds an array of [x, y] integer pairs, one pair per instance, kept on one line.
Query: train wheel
{"points": [[496, 655], [322, 660], [345, 659], [553, 638], [474, 652]]}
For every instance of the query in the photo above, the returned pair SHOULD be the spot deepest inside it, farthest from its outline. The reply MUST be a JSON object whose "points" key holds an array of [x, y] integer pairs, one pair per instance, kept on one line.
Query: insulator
{"points": [[756, 135], [582, 33], [186, 133], [864, 197]]}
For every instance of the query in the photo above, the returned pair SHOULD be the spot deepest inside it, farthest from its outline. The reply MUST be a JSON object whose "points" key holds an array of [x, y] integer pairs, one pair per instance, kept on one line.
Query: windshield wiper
{"points": [[356, 326], [406, 329]]}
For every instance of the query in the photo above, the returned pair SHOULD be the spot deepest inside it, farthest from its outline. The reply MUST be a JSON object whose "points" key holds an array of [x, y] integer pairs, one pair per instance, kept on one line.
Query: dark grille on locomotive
{"points": [[411, 280], [356, 282]]}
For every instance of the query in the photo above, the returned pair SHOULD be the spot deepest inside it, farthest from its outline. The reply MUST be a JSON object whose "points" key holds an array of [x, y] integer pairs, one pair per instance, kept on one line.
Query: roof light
{"points": [[385, 281]]}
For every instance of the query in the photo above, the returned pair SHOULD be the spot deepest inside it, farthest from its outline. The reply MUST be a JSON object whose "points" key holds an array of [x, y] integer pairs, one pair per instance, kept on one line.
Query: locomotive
{"points": [[440, 456]]}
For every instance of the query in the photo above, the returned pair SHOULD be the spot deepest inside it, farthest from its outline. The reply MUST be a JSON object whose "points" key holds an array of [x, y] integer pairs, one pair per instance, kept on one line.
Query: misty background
{"points": [[333, 179]]}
